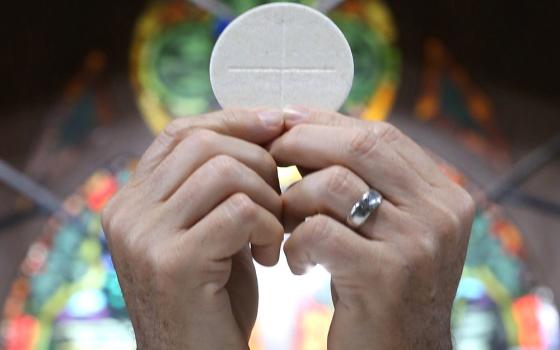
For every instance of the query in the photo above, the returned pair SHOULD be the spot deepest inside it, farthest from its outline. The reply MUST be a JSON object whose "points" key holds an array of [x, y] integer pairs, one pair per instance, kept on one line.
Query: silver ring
{"points": [[363, 208]]}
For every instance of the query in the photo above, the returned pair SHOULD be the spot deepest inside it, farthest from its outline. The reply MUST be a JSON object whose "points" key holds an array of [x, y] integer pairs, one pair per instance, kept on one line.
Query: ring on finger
{"points": [[363, 208]]}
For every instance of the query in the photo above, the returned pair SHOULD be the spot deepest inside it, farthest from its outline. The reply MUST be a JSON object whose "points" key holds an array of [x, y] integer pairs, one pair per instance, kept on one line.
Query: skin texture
{"points": [[204, 202], [180, 230], [394, 278]]}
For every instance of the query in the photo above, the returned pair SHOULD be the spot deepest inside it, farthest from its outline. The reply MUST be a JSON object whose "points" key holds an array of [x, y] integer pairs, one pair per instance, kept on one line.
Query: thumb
{"points": [[323, 240]]}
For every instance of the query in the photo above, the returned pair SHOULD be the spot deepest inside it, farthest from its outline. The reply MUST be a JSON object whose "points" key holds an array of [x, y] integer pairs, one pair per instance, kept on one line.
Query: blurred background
{"points": [[87, 85]]}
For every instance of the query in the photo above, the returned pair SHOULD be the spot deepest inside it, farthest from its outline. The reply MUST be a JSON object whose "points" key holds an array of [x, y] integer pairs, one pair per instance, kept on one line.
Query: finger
{"points": [[258, 127], [333, 192], [214, 182], [234, 224], [330, 191], [406, 148], [323, 240], [296, 115], [368, 155], [197, 149], [417, 161]]}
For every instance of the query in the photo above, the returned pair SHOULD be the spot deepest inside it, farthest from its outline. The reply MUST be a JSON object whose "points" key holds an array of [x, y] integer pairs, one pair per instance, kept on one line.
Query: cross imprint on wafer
{"points": [[282, 70], [279, 70], [279, 55]]}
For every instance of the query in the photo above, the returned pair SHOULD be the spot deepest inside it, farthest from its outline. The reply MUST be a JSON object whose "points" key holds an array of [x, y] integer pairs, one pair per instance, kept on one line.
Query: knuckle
{"points": [[452, 217], [203, 138], [172, 131], [319, 228], [243, 208], [225, 166], [107, 217], [119, 221], [454, 222], [114, 224], [444, 220], [232, 116], [388, 133], [457, 227], [450, 223], [467, 209], [339, 180], [363, 143]]}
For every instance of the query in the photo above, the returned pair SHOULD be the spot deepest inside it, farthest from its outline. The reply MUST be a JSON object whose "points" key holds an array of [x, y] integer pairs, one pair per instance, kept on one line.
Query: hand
{"points": [[179, 231], [394, 278]]}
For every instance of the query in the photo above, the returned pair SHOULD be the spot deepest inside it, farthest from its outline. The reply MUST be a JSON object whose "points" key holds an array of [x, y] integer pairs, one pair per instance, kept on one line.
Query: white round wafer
{"points": [[280, 55]]}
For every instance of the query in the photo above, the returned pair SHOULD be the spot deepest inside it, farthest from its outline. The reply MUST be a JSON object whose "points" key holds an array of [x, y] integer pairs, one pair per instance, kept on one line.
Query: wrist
{"points": [[388, 333], [436, 335]]}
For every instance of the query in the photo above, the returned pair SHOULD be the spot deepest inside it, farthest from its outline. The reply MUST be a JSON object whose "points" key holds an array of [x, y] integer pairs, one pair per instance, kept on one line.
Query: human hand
{"points": [[395, 277], [179, 231]]}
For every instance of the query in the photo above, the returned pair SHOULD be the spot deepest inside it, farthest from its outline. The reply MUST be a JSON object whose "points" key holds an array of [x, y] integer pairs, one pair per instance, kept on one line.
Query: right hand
{"points": [[393, 278], [183, 232]]}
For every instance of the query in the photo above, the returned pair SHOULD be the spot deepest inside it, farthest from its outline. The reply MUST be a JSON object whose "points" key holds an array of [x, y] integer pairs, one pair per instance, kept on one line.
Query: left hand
{"points": [[184, 230], [395, 277]]}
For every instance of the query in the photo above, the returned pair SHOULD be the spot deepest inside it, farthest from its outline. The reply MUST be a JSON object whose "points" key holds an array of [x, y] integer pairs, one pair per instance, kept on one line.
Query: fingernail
{"points": [[271, 117], [296, 113]]}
